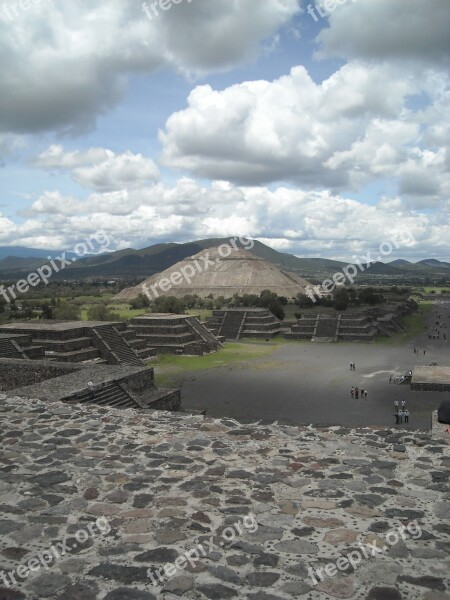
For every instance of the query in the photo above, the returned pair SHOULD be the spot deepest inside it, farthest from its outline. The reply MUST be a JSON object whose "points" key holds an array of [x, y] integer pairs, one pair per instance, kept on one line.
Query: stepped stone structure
{"points": [[238, 323], [274, 512], [357, 326], [431, 379], [74, 341], [118, 386], [175, 334], [241, 272], [19, 346]]}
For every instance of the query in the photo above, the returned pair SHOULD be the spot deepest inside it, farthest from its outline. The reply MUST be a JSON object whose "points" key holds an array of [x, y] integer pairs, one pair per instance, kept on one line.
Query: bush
{"points": [[101, 312], [168, 304], [67, 312]]}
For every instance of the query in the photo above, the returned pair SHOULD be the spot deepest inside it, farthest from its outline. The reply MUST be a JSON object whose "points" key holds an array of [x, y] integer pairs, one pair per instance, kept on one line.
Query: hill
{"points": [[17, 262]]}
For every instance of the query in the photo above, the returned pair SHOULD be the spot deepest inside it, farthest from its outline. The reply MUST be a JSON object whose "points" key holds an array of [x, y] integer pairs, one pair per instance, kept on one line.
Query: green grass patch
{"points": [[170, 369], [201, 313], [414, 326]]}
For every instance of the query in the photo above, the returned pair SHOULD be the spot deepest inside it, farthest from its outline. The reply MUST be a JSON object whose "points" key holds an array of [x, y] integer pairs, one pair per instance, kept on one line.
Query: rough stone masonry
{"points": [[167, 482]]}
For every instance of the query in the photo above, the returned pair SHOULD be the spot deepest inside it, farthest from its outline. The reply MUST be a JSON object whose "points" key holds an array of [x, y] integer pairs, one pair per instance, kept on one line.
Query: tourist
{"points": [[365, 393], [397, 417], [390, 378], [400, 415], [351, 366], [91, 389], [406, 415], [396, 405], [352, 392], [357, 393], [403, 404], [362, 392]]}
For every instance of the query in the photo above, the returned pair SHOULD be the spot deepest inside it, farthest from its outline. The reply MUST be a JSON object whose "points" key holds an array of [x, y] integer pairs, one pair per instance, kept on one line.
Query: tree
{"points": [[101, 312], [140, 302], [304, 301], [67, 312], [168, 304], [47, 312], [341, 299]]}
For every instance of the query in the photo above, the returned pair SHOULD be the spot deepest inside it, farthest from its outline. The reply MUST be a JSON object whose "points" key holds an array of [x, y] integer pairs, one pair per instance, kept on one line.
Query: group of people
{"points": [[401, 412], [355, 392]]}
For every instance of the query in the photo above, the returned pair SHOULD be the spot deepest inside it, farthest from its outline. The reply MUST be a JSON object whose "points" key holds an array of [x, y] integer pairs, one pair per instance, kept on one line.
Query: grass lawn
{"points": [[123, 311], [169, 369]]}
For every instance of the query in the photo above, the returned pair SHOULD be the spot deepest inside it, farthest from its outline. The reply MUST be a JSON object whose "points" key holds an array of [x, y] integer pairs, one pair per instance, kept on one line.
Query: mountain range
{"points": [[15, 262]]}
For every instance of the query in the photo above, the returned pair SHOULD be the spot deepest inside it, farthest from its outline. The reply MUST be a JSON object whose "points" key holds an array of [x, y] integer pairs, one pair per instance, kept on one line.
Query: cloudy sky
{"points": [[319, 135]]}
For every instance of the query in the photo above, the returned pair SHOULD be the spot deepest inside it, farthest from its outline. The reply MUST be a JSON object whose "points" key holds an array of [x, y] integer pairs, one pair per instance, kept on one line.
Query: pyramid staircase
{"points": [[19, 346], [204, 333], [232, 324], [112, 395], [326, 329], [118, 351]]}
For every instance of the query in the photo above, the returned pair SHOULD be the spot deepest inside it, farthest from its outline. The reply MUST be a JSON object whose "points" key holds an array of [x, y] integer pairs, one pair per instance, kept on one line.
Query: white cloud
{"points": [[101, 169], [411, 30], [354, 127], [64, 63], [302, 222]]}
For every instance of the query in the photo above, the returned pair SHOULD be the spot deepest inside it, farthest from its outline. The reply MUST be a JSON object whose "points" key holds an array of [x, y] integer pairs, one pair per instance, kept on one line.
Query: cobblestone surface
{"points": [[260, 504]]}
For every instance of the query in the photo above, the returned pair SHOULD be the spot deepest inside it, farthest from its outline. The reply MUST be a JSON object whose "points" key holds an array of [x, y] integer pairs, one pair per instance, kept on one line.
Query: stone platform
{"points": [[241, 323], [431, 378], [75, 341], [118, 386], [270, 507], [175, 334]]}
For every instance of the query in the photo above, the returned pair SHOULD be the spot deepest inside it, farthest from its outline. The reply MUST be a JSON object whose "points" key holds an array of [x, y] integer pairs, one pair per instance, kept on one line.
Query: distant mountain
{"points": [[432, 262], [15, 262], [400, 262], [22, 252]]}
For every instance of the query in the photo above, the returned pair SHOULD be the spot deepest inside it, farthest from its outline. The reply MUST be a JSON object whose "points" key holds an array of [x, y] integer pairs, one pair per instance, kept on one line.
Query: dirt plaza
{"points": [[303, 383]]}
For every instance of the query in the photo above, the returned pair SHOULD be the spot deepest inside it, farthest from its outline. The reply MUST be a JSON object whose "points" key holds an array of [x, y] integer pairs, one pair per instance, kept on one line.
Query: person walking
{"points": [[406, 415], [362, 393], [357, 393], [390, 378], [397, 417], [396, 405], [352, 392], [400, 415], [403, 404], [365, 393]]}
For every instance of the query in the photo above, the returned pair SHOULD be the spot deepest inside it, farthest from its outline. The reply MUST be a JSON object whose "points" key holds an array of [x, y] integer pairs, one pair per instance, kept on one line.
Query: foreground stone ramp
{"points": [[261, 505]]}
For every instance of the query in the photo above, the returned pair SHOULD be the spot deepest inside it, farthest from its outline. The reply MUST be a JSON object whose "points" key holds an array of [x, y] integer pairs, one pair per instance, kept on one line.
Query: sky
{"points": [[323, 131]]}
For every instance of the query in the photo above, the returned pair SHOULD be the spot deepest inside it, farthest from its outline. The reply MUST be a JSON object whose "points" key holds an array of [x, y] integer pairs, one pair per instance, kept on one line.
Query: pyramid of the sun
{"points": [[210, 272]]}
